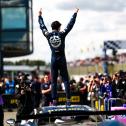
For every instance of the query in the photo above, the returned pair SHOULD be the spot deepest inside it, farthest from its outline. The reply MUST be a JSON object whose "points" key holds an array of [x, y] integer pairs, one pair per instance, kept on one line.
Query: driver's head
{"points": [[56, 25]]}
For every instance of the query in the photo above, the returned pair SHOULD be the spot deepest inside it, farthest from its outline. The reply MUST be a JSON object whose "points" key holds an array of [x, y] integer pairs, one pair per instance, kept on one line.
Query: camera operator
{"points": [[24, 95]]}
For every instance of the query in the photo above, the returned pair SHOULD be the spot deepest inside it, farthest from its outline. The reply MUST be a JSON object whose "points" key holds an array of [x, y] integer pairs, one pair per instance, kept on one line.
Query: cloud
{"points": [[121, 19], [94, 5], [101, 22], [91, 28]]}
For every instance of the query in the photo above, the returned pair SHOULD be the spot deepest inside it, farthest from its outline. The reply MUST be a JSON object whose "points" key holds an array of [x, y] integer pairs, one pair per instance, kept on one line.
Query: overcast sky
{"points": [[97, 20]]}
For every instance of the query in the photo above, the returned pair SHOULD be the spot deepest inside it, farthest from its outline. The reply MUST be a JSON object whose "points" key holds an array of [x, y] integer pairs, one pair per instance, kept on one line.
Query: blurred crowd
{"points": [[35, 91], [102, 85], [95, 85]]}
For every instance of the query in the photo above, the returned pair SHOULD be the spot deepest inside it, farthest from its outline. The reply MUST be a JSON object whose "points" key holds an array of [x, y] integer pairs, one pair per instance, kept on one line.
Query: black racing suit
{"points": [[56, 42]]}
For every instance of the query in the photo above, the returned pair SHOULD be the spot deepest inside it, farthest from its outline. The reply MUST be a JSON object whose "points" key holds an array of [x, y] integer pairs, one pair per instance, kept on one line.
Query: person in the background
{"points": [[83, 91], [10, 86], [36, 87], [24, 95], [108, 91], [46, 91], [108, 86], [1, 102], [115, 85], [56, 40], [9, 90], [60, 84], [72, 85]]}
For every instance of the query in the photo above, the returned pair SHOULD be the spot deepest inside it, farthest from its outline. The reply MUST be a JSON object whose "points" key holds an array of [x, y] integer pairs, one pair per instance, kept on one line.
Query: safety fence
{"points": [[105, 104]]}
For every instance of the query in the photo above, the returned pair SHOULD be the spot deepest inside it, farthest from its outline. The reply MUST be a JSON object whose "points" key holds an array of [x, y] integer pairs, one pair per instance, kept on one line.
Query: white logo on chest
{"points": [[55, 41]]}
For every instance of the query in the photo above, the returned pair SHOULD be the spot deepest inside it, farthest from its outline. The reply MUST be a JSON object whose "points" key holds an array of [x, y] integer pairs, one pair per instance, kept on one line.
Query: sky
{"points": [[97, 21]]}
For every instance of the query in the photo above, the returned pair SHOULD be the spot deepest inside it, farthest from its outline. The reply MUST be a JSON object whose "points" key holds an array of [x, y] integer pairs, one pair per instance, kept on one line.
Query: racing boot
{"points": [[54, 103], [68, 103]]}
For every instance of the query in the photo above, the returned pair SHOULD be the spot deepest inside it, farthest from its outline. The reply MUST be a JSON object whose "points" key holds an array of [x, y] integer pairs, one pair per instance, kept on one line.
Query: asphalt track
{"points": [[8, 115]]}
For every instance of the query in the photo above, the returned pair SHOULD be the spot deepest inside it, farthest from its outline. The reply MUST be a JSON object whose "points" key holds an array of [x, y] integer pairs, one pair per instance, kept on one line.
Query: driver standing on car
{"points": [[56, 41]]}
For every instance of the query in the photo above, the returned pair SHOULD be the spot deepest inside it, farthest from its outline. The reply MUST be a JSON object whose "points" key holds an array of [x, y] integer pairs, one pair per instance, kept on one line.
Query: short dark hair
{"points": [[55, 25]]}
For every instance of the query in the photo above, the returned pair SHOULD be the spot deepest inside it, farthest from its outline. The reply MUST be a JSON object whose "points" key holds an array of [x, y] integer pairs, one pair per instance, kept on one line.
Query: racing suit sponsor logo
{"points": [[55, 41]]}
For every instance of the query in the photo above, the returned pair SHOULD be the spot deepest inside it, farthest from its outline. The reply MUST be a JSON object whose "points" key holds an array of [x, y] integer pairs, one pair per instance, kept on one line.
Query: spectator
{"points": [[102, 87], [115, 85], [72, 85], [36, 87], [46, 92], [96, 88], [108, 86], [9, 91], [24, 95], [83, 91], [60, 84], [122, 84], [10, 86]]}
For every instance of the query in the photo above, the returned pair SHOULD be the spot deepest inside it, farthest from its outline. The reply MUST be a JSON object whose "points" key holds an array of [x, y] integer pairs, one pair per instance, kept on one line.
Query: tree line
{"points": [[27, 62]]}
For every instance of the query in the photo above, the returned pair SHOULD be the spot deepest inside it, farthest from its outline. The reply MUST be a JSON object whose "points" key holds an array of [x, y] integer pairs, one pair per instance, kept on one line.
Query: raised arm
{"points": [[71, 22], [42, 24]]}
